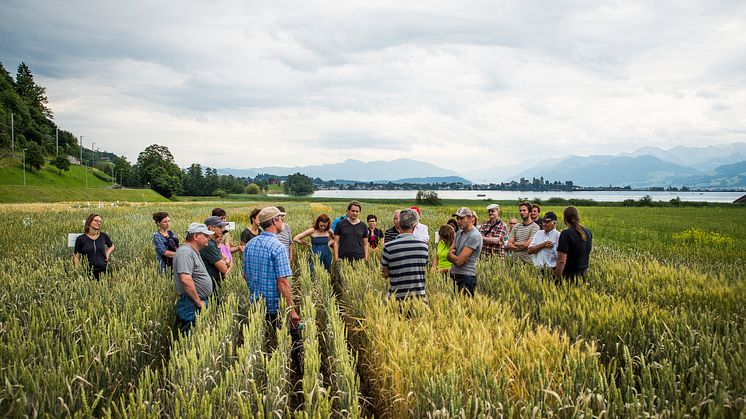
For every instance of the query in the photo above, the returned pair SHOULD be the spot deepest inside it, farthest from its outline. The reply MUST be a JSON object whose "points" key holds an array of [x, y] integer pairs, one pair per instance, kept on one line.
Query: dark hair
{"points": [[354, 204], [371, 217], [219, 212], [538, 208], [266, 224], [88, 221], [159, 216], [323, 218], [281, 208], [526, 204], [572, 219], [253, 214], [447, 234], [453, 223]]}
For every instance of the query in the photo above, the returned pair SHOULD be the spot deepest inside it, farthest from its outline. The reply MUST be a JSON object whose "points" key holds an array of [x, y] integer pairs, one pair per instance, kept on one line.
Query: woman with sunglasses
{"points": [[164, 241], [321, 238]]}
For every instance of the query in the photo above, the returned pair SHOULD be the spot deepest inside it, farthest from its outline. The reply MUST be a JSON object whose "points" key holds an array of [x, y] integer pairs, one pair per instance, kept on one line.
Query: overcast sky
{"points": [[461, 84]]}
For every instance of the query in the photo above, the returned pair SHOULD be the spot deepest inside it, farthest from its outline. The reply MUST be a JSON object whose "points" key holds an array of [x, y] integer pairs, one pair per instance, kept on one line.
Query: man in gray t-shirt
{"points": [[465, 252], [192, 282]]}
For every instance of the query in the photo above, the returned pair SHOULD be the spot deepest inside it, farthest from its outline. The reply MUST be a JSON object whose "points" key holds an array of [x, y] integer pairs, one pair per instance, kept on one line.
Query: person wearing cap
{"points": [[465, 251], [266, 267], [543, 247], [404, 260], [521, 234], [536, 215], [493, 232], [420, 232], [351, 236], [192, 282], [214, 260]]}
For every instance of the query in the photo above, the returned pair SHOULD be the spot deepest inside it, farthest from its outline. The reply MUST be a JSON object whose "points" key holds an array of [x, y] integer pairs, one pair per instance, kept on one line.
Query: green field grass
{"points": [[11, 173], [27, 194]]}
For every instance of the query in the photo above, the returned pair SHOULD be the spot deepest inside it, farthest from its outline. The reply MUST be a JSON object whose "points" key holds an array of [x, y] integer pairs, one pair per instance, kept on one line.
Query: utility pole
{"points": [[57, 141], [81, 149], [12, 135], [93, 154], [24, 167]]}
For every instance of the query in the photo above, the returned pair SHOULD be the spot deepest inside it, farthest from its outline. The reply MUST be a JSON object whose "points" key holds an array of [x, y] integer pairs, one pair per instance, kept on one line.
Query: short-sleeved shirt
{"points": [[285, 236], [390, 234], [443, 249], [94, 250], [406, 258], [545, 257], [577, 251], [494, 230], [473, 240], [265, 260], [247, 235], [521, 233], [188, 261], [351, 238], [210, 256]]}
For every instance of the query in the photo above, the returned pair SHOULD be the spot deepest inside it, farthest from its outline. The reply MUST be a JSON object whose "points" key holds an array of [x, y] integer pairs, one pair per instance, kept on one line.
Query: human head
{"points": [[198, 234], [322, 223], [252, 216], [493, 211], [162, 220], [396, 220], [524, 208], [353, 210], [447, 233], [451, 222], [372, 220], [282, 210], [215, 224], [513, 221], [549, 221], [408, 219], [95, 219], [571, 216], [219, 212], [417, 210], [535, 211], [464, 218], [270, 218]]}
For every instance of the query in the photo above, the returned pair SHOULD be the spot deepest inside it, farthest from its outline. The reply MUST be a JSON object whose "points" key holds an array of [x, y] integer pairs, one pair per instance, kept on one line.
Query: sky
{"points": [[464, 85]]}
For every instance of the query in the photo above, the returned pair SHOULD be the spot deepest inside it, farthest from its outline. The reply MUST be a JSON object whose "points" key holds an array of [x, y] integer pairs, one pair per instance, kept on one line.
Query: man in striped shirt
{"points": [[404, 260]]}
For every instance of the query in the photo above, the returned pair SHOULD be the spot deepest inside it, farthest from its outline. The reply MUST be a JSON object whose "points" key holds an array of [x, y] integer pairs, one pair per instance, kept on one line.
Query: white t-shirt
{"points": [[545, 257]]}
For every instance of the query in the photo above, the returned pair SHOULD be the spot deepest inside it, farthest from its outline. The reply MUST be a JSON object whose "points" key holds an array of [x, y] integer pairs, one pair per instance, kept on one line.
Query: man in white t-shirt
{"points": [[543, 246]]}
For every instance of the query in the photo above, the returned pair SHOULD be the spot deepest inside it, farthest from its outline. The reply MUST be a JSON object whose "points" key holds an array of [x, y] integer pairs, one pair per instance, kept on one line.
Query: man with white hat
{"points": [[493, 232], [266, 267], [465, 251], [193, 283]]}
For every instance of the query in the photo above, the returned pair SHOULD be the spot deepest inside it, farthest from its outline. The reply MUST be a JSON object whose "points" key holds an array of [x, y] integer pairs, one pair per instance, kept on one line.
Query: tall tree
{"points": [[155, 165], [194, 181], [124, 172], [34, 157], [298, 184]]}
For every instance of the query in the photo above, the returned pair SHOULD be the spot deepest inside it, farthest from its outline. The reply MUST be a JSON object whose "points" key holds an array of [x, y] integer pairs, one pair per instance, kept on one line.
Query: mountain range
{"points": [[711, 167]]}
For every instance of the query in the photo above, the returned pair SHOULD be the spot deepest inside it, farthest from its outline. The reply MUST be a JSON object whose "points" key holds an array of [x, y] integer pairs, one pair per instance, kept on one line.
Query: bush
{"points": [[428, 198], [61, 163], [219, 192], [253, 189]]}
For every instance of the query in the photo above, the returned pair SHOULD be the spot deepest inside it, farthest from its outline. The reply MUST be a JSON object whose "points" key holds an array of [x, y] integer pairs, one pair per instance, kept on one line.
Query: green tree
{"points": [[34, 156], [62, 163], [298, 184], [253, 189], [155, 165], [194, 181], [124, 172]]}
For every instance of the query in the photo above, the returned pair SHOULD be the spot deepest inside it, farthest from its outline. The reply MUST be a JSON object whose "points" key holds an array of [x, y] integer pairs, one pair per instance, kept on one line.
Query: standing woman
{"points": [[441, 264], [321, 238], [253, 229], [94, 245], [375, 235], [164, 241], [574, 248]]}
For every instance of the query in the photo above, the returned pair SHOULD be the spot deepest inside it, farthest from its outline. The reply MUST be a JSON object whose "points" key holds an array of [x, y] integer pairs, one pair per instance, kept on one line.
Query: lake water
{"points": [[600, 196]]}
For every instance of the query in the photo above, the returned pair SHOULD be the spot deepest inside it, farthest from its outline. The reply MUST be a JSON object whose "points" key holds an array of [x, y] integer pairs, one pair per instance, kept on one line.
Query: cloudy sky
{"points": [[461, 84]]}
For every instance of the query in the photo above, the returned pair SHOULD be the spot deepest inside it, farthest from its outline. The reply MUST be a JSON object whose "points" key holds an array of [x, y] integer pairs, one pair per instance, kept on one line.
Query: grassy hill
{"points": [[11, 173]]}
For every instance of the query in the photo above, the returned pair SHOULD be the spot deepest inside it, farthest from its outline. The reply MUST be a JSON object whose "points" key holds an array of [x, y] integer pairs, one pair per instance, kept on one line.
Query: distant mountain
{"points": [[702, 158], [726, 176], [641, 171], [443, 179], [355, 170]]}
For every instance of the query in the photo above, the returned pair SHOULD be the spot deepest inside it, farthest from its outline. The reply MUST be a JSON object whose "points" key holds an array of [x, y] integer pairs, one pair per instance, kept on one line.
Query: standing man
{"points": [[351, 236], [214, 261], [266, 267], [536, 215], [193, 283], [420, 232], [404, 260], [521, 235], [493, 232], [465, 251], [394, 231], [543, 247], [285, 236]]}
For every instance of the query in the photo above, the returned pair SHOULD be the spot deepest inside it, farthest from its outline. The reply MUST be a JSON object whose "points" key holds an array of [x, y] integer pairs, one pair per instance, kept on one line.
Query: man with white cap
{"points": [[465, 251], [193, 283], [266, 267], [214, 261], [493, 232]]}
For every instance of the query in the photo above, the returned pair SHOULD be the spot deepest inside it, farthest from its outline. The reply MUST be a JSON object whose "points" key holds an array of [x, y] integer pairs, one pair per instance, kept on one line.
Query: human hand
{"points": [[294, 318]]}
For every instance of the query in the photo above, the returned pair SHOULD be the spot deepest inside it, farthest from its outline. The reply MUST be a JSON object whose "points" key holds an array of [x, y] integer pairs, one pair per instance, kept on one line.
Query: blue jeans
{"points": [[465, 283], [186, 313]]}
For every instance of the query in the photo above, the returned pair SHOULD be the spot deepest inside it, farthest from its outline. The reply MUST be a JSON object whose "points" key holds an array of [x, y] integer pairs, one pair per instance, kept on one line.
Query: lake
{"points": [[600, 196]]}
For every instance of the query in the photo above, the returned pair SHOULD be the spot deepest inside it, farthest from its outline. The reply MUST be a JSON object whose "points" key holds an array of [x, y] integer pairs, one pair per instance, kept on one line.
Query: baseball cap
{"points": [[492, 206], [199, 228], [215, 221], [550, 216], [415, 209], [268, 213], [463, 212]]}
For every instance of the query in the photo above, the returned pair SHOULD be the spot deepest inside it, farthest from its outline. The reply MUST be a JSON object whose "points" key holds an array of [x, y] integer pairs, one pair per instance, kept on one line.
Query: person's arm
{"points": [[76, 260], [459, 260], [290, 251], [366, 248], [284, 287], [336, 247], [299, 237], [534, 247], [331, 239], [385, 272], [188, 283], [222, 266], [561, 262], [107, 252], [511, 243], [435, 260]]}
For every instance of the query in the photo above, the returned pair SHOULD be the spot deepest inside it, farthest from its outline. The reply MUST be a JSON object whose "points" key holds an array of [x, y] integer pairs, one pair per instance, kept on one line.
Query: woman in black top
{"points": [[95, 245], [375, 235], [574, 247]]}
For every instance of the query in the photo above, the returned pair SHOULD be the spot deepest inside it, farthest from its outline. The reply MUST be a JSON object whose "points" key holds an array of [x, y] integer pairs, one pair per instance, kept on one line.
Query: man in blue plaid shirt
{"points": [[266, 266]]}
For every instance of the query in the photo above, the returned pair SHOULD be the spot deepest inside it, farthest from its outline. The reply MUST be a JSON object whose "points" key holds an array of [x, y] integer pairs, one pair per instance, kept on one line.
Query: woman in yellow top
{"points": [[446, 234]]}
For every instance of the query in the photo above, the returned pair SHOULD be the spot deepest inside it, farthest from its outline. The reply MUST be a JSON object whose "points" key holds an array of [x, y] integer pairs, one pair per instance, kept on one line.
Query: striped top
{"points": [[406, 259], [285, 236]]}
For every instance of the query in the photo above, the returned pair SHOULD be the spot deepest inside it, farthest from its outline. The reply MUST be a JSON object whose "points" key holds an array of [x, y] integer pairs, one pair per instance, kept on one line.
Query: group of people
{"points": [[201, 263]]}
